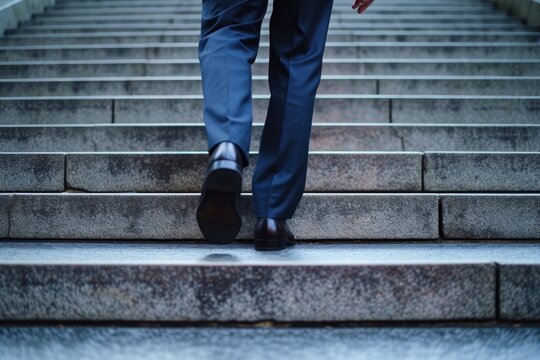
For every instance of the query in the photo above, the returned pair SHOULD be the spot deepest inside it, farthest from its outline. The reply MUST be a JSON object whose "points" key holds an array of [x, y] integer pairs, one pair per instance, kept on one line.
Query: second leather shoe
{"points": [[272, 234], [218, 211]]}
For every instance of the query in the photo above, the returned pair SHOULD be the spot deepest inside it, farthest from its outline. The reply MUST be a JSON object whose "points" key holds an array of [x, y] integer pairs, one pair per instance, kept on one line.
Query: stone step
{"points": [[353, 171], [351, 66], [330, 216], [195, 18], [333, 36], [435, 26], [324, 137], [179, 8], [330, 84], [497, 342], [328, 108], [364, 50], [66, 281]]}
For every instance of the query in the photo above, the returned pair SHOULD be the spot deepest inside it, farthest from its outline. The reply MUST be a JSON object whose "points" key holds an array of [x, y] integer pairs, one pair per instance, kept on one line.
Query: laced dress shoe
{"points": [[218, 210], [272, 234]]}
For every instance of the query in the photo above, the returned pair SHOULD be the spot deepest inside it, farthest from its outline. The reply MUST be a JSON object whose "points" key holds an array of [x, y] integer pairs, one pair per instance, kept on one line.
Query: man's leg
{"points": [[298, 30], [230, 33]]}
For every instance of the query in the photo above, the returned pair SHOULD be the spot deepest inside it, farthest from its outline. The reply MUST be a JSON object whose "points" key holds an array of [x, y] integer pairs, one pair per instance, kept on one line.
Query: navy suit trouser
{"points": [[228, 46]]}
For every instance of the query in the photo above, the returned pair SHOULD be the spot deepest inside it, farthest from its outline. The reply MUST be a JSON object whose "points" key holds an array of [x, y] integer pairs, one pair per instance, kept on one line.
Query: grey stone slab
{"points": [[519, 286], [490, 216], [32, 172], [324, 137], [463, 26], [333, 36], [329, 84], [343, 49], [57, 111], [176, 67], [488, 171], [178, 85], [184, 172], [460, 86], [255, 343], [172, 216], [248, 292], [5, 206], [510, 110], [189, 109]]}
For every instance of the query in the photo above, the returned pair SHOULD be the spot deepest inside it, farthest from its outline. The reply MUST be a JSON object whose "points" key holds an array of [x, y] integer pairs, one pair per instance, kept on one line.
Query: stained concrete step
{"points": [[463, 26], [351, 171], [331, 216], [333, 36], [339, 49], [328, 108], [337, 9], [329, 136], [351, 66], [195, 18], [270, 343], [330, 84], [308, 283]]}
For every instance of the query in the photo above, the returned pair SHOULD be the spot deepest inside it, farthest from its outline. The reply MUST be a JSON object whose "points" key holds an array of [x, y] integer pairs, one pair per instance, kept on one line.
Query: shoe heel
{"points": [[224, 175], [270, 244]]}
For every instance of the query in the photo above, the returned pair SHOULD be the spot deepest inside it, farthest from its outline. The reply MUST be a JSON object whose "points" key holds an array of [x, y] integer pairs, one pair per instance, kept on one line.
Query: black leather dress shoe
{"points": [[272, 234], [218, 213]]}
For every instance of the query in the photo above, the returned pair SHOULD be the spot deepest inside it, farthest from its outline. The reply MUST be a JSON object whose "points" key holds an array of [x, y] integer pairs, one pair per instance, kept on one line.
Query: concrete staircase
{"points": [[422, 201]]}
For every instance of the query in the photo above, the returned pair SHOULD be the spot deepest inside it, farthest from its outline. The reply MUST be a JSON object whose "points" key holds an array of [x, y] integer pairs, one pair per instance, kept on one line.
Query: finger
{"points": [[363, 7], [357, 3]]}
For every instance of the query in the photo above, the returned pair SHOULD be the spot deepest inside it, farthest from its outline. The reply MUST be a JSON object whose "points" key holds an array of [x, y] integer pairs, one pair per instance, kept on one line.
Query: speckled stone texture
{"points": [[360, 343], [4, 214], [350, 137], [172, 216], [189, 109], [505, 110], [490, 216], [57, 111], [482, 171], [32, 172], [247, 292], [184, 172], [519, 291], [333, 50], [174, 67]]}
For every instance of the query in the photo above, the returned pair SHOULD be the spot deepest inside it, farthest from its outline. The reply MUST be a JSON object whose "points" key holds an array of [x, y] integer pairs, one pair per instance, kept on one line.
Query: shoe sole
{"points": [[218, 214], [272, 244]]}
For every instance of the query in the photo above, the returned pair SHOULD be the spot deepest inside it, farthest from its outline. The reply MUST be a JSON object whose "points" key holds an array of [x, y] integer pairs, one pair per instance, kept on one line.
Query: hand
{"points": [[362, 5]]}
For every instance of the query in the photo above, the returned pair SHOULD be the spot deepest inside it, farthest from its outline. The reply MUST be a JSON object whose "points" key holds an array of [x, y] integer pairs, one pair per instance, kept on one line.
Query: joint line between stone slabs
{"points": [[113, 110], [440, 218], [497, 292], [9, 210], [390, 120]]}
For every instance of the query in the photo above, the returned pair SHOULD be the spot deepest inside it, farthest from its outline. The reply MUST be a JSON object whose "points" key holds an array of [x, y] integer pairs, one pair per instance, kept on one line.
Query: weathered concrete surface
{"points": [[4, 214], [490, 171], [184, 171], [200, 282], [361, 343], [175, 67], [490, 216], [32, 172], [349, 137], [172, 216], [519, 291]]}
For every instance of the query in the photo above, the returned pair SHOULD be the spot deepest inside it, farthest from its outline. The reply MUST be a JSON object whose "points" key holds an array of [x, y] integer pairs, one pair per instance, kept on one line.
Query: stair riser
{"points": [[155, 172], [359, 110], [323, 137], [319, 216], [403, 37], [53, 29], [526, 87], [248, 293], [16, 70], [172, 216]]}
